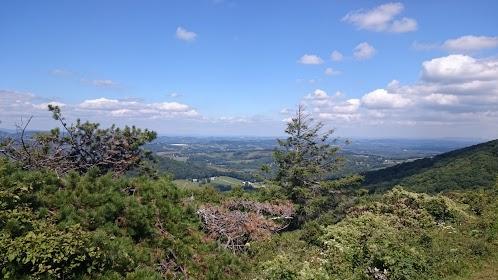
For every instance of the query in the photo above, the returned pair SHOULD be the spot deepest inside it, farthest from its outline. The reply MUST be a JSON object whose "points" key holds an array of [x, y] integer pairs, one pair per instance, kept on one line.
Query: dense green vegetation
{"points": [[80, 226], [185, 170], [468, 168], [102, 223], [399, 235], [87, 226], [190, 170]]}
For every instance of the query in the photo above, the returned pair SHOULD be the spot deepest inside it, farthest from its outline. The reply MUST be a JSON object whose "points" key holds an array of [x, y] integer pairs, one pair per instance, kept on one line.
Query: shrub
{"points": [[49, 252]]}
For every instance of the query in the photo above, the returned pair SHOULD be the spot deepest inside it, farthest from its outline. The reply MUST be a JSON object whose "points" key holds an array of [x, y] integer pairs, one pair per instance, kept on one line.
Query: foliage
{"points": [[305, 157], [97, 226], [399, 235], [84, 222], [469, 168], [79, 147]]}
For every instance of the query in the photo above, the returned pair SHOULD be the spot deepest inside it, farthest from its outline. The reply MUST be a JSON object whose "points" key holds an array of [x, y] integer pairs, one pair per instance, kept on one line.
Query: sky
{"points": [[372, 69]]}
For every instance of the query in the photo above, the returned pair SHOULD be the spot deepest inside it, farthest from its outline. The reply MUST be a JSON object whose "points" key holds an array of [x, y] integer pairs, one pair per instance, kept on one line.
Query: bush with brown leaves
{"points": [[235, 223]]}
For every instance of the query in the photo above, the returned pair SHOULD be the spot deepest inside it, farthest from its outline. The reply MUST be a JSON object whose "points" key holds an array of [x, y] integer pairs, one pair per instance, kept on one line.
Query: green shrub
{"points": [[49, 252]]}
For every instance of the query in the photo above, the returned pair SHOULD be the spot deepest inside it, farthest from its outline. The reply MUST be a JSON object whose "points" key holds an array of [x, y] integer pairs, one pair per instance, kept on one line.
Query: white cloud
{"points": [[44, 106], [381, 99], [116, 107], [174, 94], [12, 102], [310, 59], [285, 111], [172, 106], [470, 43], [122, 113], [364, 51], [100, 103], [15, 105], [331, 72], [318, 94], [456, 95], [185, 35], [382, 18], [464, 44], [441, 99], [332, 107], [403, 25], [164, 117], [454, 91], [336, 56], [350, 106], [459, 68]]}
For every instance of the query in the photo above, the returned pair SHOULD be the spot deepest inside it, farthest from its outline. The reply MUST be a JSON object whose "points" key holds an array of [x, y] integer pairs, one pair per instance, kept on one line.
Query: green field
{"points": [[186, 184], [220, 180], [225, 180]]}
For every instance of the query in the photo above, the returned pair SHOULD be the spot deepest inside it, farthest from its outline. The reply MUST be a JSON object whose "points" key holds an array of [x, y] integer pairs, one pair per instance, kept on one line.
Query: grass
{"points": [[186, 184], [220, 180], [486, 271], [225, 180]]}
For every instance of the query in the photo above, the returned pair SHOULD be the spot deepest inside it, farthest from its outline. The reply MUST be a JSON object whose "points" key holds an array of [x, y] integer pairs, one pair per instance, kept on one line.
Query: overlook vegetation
{"points": [[103, 223]]}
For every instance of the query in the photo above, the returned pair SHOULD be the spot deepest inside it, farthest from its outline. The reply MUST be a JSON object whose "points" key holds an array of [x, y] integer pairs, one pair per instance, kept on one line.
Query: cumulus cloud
{"points": [[331, 72], [332, 107], [16, 104], [470, 43], [458, 67], [451, 88], [185, 35], [350, 106], [172, 106], [310, 59], [382, 18], [318, 94], [364, 51], [336, 56], [164, 117], [454, 91], [133, 108], [441, 99], [101, 104], [464, 44], [403, 25], [44, 106], [381, 99]]}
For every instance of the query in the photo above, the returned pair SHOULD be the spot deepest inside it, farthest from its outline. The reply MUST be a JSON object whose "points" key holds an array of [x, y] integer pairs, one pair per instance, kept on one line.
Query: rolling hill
{"points": [[471, 167]]}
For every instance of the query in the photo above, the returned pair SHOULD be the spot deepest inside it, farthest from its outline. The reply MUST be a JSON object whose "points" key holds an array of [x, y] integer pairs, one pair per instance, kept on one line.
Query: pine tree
{"points": [[305, 157], [79, 147]]}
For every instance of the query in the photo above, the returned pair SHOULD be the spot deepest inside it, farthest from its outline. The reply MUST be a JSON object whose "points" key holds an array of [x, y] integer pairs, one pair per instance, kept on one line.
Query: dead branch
{"points": [[236, 223]]}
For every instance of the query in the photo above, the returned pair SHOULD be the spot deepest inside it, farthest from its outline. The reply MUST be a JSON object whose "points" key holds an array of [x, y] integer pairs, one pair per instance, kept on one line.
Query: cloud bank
{"points": [[453, 92]]}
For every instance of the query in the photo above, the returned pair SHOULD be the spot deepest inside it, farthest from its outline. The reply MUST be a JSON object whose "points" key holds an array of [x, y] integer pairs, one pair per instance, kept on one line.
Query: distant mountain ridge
{"points": [[467, 168]]}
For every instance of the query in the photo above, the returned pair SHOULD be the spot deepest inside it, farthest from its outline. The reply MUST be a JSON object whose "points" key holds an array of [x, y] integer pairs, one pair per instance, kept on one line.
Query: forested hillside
{"points": [[468, 168], [88, 204]]}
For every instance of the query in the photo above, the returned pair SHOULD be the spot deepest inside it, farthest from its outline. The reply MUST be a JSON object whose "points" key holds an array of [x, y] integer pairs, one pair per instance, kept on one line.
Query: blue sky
{"points": [[213, 67]]}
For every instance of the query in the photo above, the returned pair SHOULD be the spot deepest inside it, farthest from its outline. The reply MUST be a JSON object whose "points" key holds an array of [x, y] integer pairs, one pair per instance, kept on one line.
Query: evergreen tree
{"points": [[79, 147], [305, 157]]}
